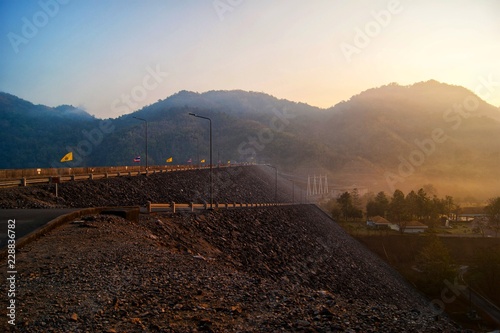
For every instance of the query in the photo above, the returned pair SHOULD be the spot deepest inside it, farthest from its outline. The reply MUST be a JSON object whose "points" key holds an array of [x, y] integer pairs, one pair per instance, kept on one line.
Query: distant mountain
{"points": [[425, 133], [36, 135], [383, 138], [70, 111], [16, 107]]}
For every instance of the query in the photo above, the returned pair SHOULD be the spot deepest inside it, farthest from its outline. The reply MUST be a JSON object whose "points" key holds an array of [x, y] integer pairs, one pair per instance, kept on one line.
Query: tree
{"points": [[493, 211], [412, 206], [424, 206], [347, 208], [371, 209], [356, 200], [435, 261], [378, 206], [448, 206], [334, 208], [436, 208], [345, 203], [397, 210]]}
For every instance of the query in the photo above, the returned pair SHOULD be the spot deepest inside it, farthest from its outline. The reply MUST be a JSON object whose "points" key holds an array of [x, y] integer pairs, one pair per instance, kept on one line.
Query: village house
{"points": [[413, 227], [410, 227]]}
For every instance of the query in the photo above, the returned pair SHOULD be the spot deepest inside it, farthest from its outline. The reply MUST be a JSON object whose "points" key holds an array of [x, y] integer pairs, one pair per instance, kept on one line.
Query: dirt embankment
{"points": [[237, 184], [247, 270]]}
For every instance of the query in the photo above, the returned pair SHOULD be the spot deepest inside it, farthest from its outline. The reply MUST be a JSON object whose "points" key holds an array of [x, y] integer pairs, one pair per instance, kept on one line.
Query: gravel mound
{"points": [[236, 184], [278, 269]]}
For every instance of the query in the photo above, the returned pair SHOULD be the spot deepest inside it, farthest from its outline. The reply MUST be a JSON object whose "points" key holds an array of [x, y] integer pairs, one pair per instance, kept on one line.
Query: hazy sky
{"points": [[113, 57]]}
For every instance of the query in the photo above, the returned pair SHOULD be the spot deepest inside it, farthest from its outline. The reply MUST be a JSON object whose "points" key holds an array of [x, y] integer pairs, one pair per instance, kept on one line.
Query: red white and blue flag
{"points": [[137, 159]]}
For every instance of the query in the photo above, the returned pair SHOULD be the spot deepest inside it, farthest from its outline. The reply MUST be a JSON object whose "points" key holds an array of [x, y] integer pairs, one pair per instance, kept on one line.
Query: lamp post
{"points": [[211, 170], [144, 120], [275, 183]]}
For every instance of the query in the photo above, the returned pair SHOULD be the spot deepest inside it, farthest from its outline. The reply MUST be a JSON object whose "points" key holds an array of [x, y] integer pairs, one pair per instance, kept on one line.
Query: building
{"points": [[468, 214], [380, 223], [413, 227]]}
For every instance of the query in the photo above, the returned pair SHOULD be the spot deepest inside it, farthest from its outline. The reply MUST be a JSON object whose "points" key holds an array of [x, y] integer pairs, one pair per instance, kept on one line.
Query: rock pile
{"points": [[237, 184], [278, 269]]}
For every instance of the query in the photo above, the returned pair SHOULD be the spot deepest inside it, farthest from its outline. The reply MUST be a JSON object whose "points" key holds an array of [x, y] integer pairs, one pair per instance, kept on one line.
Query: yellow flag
{"points": [[170, 159], [68, 157], [229, 162], [202, 161]]}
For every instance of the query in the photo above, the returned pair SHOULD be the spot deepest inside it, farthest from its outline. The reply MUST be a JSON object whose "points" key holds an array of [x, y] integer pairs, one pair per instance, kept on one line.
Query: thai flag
{"points": [[190, 160], [137, 159]]}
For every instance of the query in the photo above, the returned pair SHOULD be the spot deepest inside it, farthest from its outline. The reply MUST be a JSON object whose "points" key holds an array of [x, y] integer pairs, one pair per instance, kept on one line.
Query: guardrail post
{"points": [[226, 205], [73, 178], [205, 206], [172, 205], [149, 206], [216, 205], [23, 181], [91, 176], [192, 206]]}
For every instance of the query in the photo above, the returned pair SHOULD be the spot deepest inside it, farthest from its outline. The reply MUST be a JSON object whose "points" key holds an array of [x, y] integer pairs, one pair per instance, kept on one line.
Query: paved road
{"points": [[27, 220]]}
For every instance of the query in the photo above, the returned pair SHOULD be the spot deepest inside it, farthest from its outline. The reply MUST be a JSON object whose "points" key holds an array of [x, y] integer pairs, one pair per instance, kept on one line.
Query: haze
{"points": [[114, 57]]}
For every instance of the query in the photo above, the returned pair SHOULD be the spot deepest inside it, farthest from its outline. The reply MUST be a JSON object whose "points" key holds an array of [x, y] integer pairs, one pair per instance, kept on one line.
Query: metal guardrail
{"points": [[61, 175], [173, 206]]}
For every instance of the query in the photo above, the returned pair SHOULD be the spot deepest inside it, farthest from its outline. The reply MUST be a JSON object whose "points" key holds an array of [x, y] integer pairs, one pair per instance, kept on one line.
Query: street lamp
{"points": [[144, 120], [275, 183], [211, 170]]}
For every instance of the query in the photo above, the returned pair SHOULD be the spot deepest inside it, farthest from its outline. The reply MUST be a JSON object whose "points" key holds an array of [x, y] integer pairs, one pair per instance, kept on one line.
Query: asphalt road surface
{"points": [[27, 220]]}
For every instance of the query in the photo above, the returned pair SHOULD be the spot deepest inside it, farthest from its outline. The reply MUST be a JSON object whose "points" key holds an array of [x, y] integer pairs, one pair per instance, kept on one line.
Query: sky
{"points": [[112, 57]]}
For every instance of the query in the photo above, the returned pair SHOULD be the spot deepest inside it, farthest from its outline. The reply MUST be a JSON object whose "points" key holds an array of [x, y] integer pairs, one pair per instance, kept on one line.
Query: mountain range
{"points": [[383, 138]]}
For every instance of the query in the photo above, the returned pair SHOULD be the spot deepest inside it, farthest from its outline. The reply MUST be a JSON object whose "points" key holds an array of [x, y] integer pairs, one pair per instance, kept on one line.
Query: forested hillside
{"points": [[384, 138]]}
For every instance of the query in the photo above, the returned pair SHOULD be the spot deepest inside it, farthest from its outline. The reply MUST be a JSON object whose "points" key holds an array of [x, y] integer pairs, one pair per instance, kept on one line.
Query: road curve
{"points": [[27, 220]]}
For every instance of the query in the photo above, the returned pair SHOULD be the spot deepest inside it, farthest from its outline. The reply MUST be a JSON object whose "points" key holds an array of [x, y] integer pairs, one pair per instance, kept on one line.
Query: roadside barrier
{"points": [[130, 212], [174, 207], [26, 177]]}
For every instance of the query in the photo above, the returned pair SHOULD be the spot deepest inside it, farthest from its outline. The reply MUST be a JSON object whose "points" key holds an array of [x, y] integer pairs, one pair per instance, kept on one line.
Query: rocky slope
{"points": [[288, 269], [248, 184]]}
